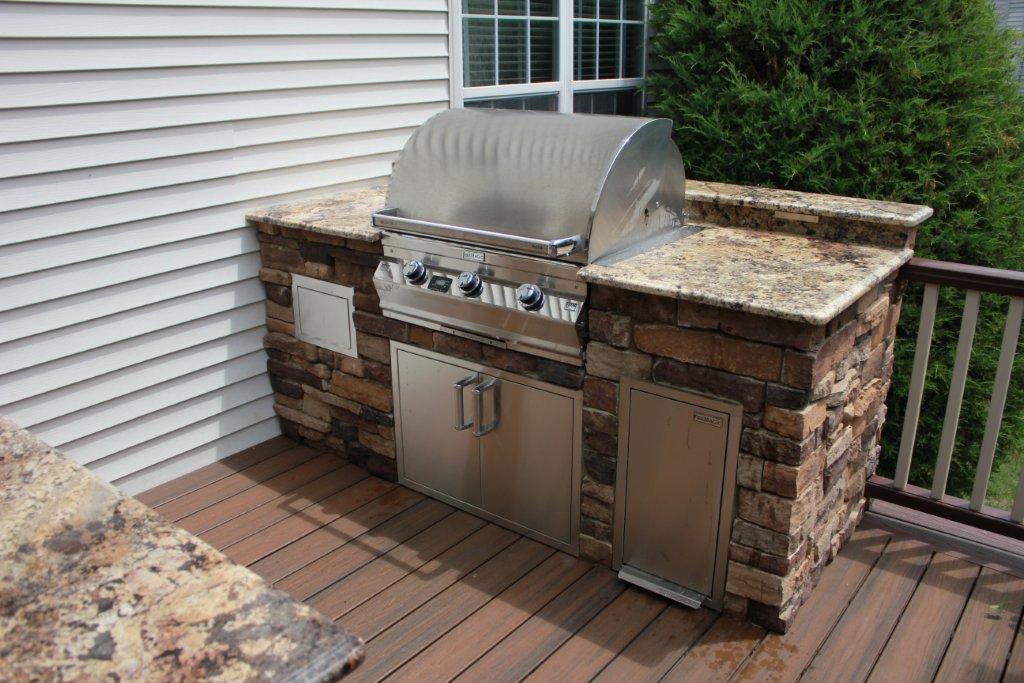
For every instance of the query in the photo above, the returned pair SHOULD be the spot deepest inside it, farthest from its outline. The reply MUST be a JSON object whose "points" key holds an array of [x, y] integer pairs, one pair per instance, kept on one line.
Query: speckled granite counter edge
{"points": [[834, 206], [344, 214], [95, 585], [594, 275]]}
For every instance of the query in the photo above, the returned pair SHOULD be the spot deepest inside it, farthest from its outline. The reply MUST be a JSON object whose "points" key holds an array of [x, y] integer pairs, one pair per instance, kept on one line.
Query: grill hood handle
{"points": [[388, 219]]}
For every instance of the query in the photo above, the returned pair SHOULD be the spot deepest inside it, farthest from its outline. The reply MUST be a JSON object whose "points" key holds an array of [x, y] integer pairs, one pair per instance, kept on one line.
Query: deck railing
{"points": [[975, 280]]}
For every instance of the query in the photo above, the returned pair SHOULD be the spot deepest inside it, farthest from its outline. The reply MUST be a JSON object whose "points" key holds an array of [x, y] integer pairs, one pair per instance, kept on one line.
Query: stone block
{"points": [[293, 371], [796, 424], [286, 387], [789, 480], [745, 390], [598, 467], [750, 326], [300, 418], [785, 515], [611, 328], [596, 529], [601, 394], [611, 363], [771, 446], [511, 361], [347, 405], [290, 345], [759, 585], [314, 407], [595, 489], [637, 305], [318, 271], [373, 347], [711, 349], [362, 391], [748, 471], [451, 345], [600, 422], [595, 550], [762, 539], [421, 336], [279, 312], [289, 401], [562, 374], [596, 509], [806, 370], [786, 397], [281, 258], [377, 443], [276, 277], [275, 325], [605, 444], [381, 326]]}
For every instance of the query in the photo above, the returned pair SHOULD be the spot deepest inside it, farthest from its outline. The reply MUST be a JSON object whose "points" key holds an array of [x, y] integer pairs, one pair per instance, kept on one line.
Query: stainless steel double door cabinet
{"points": [[500, 445]]}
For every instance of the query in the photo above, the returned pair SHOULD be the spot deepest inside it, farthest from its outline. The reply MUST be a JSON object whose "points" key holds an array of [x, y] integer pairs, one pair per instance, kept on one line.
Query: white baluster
{"points": [[913, 412], [1011, 333], [956, 393]]}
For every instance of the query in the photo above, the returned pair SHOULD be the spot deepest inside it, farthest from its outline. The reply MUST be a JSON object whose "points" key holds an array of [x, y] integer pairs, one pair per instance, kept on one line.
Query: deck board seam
{"points": [[839, 615]]}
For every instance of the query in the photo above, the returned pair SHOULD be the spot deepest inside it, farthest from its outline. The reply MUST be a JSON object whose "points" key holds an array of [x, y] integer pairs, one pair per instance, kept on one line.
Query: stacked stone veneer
{"points": [[812, 397], [813, 408]]}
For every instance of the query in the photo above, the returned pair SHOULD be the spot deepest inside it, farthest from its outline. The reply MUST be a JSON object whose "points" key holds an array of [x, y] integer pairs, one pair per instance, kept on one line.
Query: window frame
{"points": [[565, 87]]}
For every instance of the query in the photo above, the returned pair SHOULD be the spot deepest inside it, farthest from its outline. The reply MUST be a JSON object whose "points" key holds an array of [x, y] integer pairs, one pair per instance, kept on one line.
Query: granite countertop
{"points": [[793, 277], [95, 585], [775, 273], [825, 205], [343, 214]]}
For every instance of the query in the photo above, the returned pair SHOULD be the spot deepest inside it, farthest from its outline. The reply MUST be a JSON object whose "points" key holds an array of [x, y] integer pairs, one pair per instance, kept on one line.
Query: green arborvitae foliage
{"points": [[887, 99]]}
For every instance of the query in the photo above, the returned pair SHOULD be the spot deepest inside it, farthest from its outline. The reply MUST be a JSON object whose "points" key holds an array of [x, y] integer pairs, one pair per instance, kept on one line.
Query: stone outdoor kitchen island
{"points": [[784, 303]]}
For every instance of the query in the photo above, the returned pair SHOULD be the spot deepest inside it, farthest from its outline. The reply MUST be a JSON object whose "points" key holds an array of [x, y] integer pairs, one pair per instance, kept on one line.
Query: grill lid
{"points": [[581, 187]]}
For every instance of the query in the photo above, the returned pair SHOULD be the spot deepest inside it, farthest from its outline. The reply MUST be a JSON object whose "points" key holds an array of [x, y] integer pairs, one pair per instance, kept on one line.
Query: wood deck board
{"points": [[983, 638], [372, 578], [529, 645], [433, 619], [254, 496], [282, 507], [858, 638], [216, 471], [379, 528], [440, 594], [927, 624], [234, 483], [291, 529], [465, 643], [784, 657]]}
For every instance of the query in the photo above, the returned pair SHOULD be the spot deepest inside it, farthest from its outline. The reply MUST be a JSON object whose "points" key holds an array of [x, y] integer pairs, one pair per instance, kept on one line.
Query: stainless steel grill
{"points": [[491, 213]]}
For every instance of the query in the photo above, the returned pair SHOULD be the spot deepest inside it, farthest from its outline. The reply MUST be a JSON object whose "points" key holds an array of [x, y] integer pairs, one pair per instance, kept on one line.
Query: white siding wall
{"points": [[133, 136]]}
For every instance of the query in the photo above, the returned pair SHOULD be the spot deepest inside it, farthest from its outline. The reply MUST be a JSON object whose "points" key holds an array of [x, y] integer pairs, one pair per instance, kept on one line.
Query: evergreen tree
{"points": [[888, 99]]}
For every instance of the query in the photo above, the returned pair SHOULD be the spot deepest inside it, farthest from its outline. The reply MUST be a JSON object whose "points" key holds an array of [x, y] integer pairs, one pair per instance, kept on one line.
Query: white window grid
{"points": [[566, 85]]}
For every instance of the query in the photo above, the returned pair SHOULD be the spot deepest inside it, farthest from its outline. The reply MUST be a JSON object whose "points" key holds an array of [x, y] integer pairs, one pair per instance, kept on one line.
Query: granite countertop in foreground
{"points": [[95, 585], [793, 277]]}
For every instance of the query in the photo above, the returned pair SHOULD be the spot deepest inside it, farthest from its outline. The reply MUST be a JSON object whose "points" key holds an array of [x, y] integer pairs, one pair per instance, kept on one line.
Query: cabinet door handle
{"points": [[478, 393], [460, 409]]}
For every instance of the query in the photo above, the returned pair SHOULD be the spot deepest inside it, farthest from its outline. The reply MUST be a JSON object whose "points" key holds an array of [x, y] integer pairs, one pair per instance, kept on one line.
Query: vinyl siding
{"points": [[1011, 13], [134, 134]]}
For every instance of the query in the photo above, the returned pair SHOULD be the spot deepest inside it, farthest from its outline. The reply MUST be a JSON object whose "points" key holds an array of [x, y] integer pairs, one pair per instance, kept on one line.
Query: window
{"points": [[522, 54]]}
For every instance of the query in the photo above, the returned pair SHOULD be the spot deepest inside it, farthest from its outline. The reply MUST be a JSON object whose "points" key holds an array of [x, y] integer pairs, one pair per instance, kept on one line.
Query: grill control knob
{"points": [[415, 272], [470, 284], [530, 296]]}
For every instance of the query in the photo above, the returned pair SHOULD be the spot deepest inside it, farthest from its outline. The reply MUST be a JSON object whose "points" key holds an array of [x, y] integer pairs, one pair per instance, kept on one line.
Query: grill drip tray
{"points": [[665, 589]]}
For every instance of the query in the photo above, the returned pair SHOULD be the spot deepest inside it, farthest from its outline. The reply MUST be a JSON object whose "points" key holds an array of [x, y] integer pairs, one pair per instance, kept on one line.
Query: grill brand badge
{"points": [[473, 255], [704, 418]]}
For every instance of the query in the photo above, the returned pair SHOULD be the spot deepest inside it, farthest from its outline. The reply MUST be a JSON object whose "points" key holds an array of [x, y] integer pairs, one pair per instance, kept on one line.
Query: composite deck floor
{"points": [[439, 594]]}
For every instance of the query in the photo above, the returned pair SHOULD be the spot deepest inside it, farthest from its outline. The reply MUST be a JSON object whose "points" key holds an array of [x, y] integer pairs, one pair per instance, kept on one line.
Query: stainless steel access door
{"points": [[526, 462], [435, 454], [675, 486], [515, 461]]}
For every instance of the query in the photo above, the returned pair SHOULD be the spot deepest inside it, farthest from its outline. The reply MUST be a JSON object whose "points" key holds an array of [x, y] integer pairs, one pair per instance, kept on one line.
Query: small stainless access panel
{"points": [[674, 494]]}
